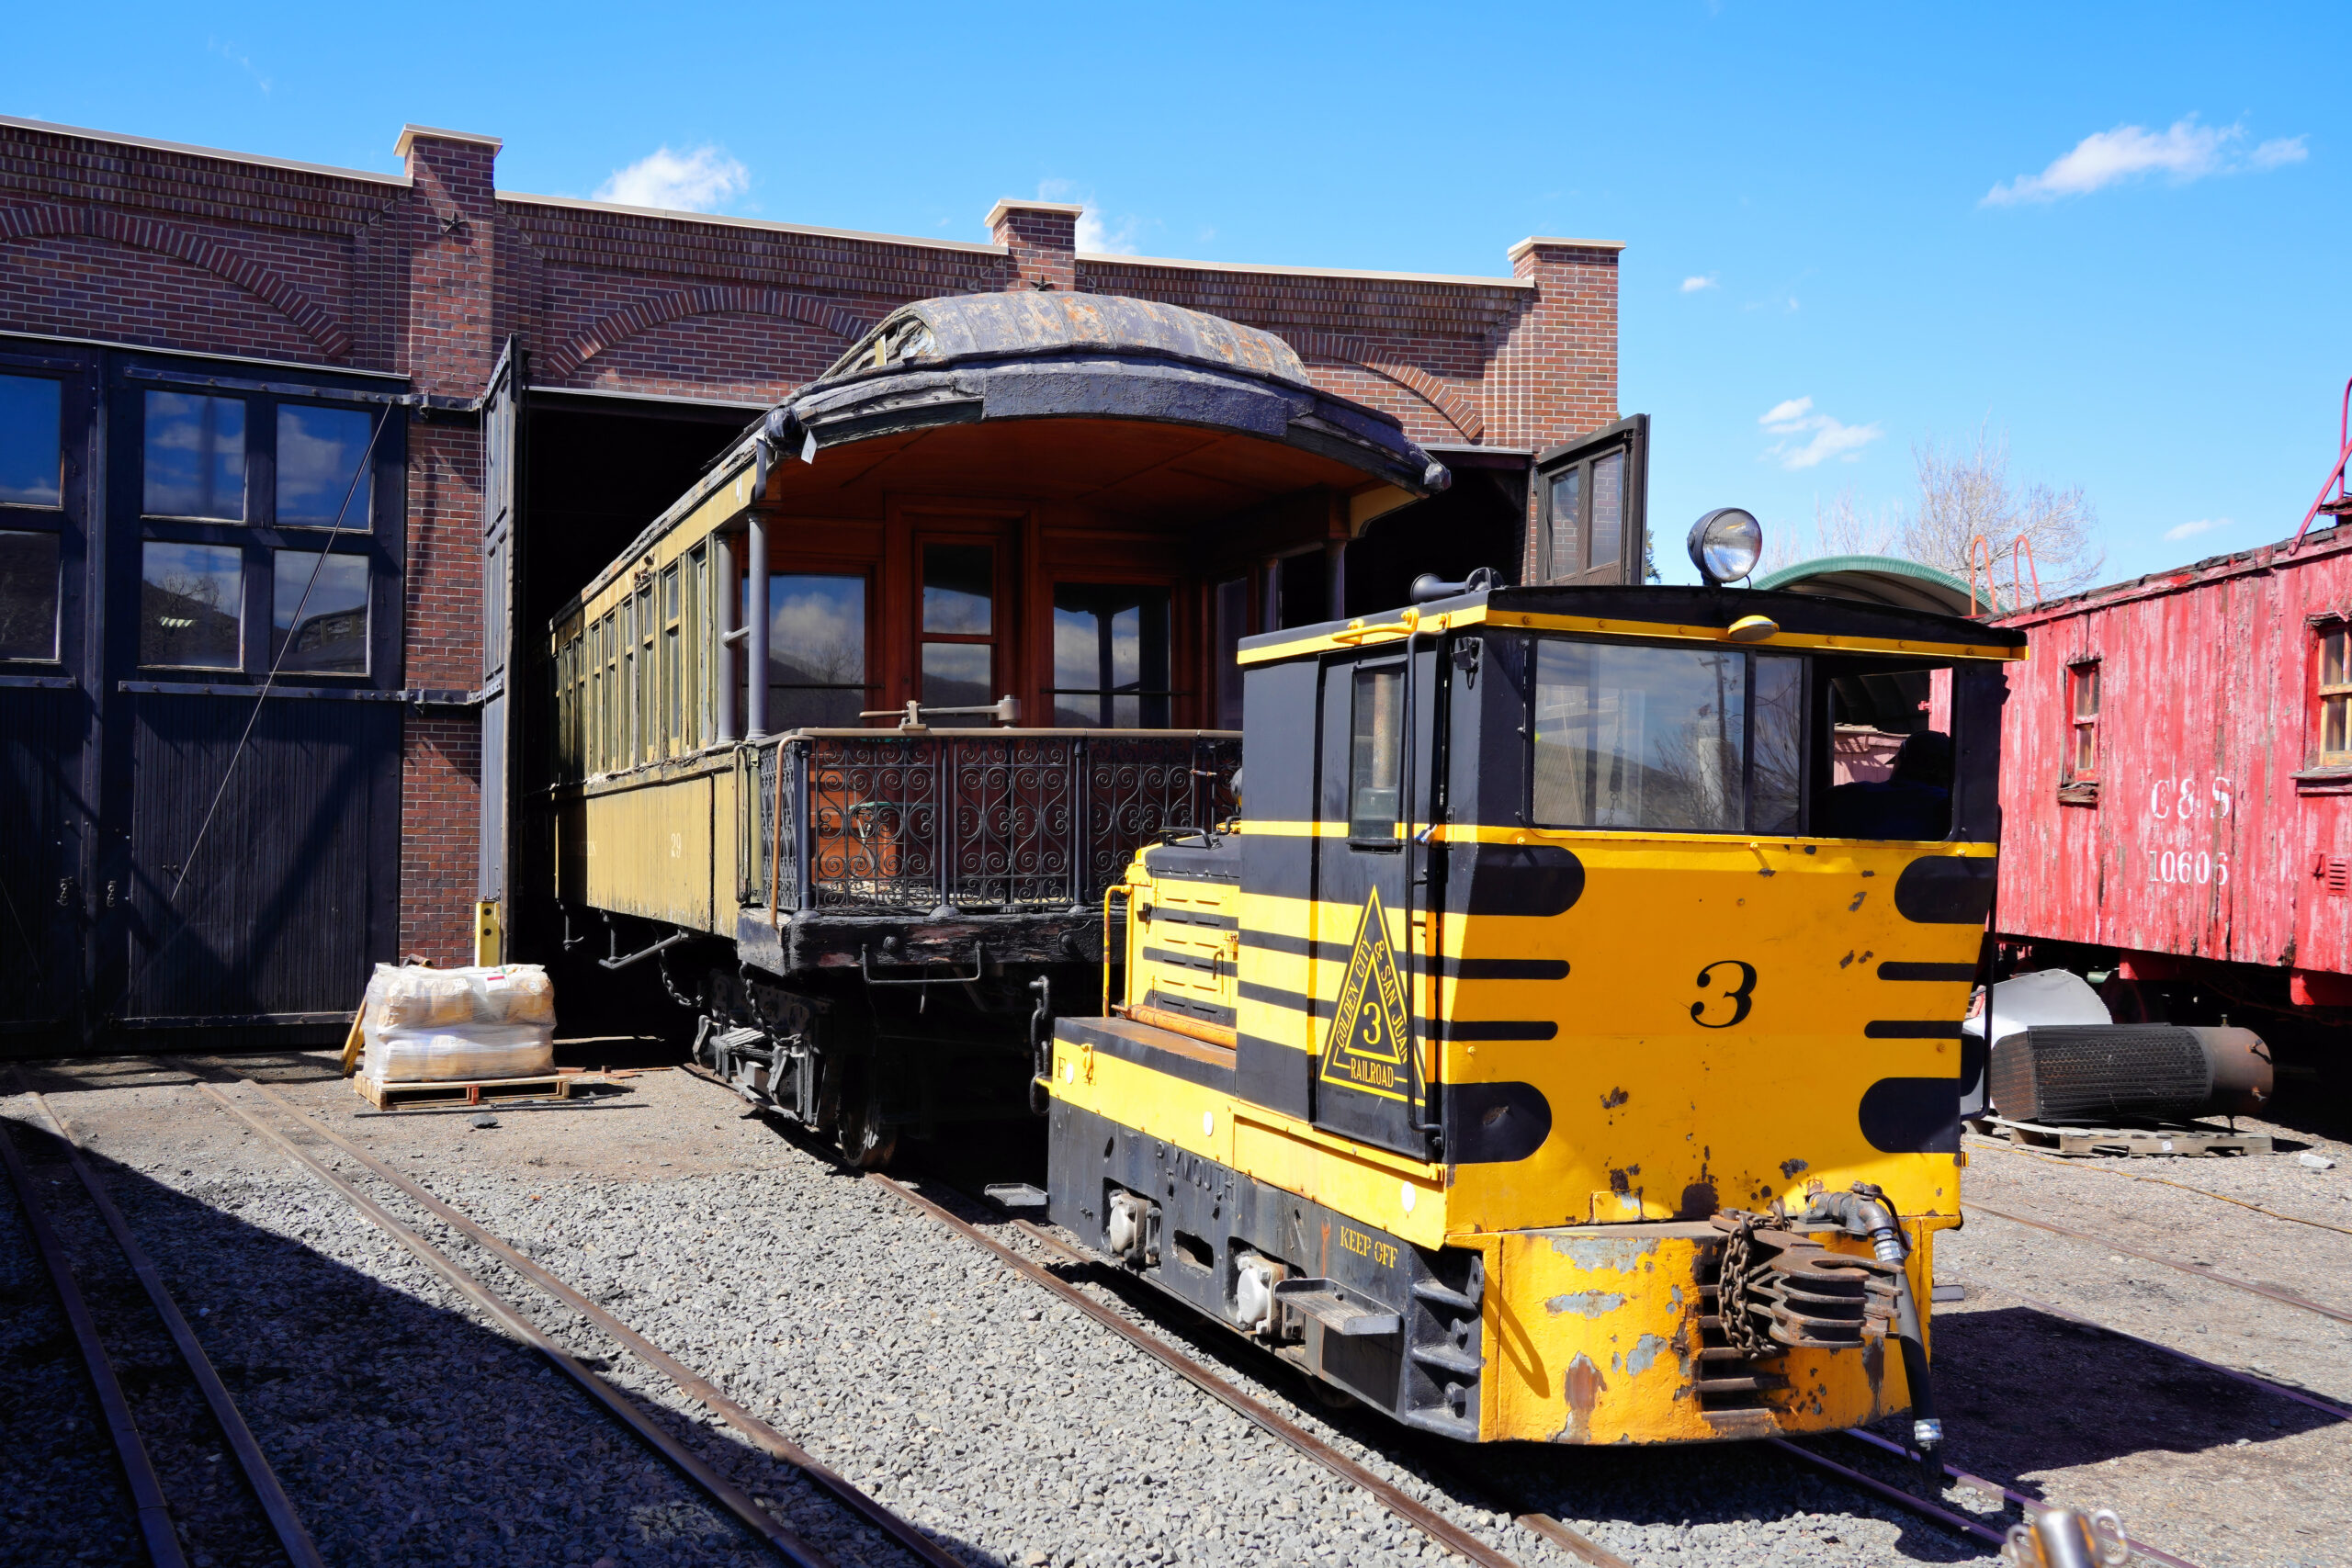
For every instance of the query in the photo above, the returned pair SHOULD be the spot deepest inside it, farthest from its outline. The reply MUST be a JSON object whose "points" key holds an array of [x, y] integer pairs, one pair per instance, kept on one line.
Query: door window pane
{"points": [[27, 595], [319, 622], [1567, 522], [958, 589], [1110, 656], [318, 463], [1376, 753], [817, 651], [1608, 510], [956, 676], [189, 597], [1640, 738], [1777, 750], [196, 456], [31, 444]]}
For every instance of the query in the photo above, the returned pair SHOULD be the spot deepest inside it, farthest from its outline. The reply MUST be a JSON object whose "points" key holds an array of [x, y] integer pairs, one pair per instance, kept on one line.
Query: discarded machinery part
{"points": [[1895, 1495], [1264, 1416], [2069, 1072], [1014, 1195], [1995, 1489], [672, 940], [1131, 1232], [1779, 1290], [689, 1382], [2268, 1293], [509, 1317], [138, 1468], [1337, 1308], [285, 1520], [1865, 1209], [2066, 1538]]}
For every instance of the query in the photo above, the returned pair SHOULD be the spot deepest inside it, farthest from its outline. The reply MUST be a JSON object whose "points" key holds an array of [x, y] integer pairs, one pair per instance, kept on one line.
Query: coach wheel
{"points": [[867, 1141]]}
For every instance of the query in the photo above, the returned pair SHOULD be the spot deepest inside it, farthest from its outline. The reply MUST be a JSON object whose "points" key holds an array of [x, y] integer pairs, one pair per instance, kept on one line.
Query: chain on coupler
{"points": [[2067, 1537]]}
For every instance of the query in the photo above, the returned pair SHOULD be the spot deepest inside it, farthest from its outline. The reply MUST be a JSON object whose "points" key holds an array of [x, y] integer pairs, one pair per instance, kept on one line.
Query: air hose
{"points": [[1867, 1211]]}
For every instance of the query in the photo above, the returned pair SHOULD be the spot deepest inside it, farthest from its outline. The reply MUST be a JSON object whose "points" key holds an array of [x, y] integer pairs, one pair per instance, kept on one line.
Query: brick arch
{"points": [[704, 299], [238, 266], [1459, 411]]}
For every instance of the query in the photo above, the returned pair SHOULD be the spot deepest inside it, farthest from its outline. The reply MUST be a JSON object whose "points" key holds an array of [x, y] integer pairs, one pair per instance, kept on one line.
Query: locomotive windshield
{"points": [[1647, 739]]}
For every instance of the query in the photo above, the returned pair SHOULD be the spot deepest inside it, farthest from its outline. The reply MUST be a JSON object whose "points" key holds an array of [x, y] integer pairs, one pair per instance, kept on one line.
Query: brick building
{"points": [[276, 389]]}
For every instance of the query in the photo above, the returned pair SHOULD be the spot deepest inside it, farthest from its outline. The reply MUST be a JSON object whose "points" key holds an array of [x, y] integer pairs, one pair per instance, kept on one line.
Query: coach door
{"points": [[1371, 919], [501, 667]]}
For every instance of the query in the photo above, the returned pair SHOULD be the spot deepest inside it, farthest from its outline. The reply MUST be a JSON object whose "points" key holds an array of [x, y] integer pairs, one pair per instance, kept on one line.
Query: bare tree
{"points": [[1965, 493], [1840, 528]]}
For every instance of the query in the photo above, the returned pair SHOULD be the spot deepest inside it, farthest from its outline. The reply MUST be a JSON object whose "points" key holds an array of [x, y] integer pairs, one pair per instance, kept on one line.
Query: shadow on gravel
{"points": [[2024, 1392], [404, 1433]]}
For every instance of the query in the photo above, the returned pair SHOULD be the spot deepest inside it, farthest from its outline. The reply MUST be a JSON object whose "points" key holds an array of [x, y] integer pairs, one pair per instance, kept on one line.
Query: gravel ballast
{"points": [[997, 1419]]}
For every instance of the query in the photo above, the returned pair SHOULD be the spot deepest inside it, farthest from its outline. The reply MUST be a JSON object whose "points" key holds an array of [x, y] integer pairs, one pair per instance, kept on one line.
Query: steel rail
{"points": [[2270, 1292], [689, 1382], [138, 1467], [787, 1545], [1895, 1495], [1980, 1483], [1259, 1414], [284, 1520]]}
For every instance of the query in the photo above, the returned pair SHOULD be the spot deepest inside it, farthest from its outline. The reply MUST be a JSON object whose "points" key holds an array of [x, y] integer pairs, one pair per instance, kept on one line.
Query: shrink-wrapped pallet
{"points": [[427, 1025]]}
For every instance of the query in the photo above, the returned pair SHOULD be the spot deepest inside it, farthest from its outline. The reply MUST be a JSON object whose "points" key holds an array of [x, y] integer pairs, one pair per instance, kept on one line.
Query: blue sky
{"points": [[2112, 232]]}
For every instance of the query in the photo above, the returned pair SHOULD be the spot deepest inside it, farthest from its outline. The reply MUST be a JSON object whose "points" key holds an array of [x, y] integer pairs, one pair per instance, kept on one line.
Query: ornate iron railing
{"points": [[975, 820]]}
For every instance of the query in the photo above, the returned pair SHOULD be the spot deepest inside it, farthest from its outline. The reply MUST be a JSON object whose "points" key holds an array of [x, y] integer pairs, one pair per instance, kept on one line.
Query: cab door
{"points": [[1372, 907]]}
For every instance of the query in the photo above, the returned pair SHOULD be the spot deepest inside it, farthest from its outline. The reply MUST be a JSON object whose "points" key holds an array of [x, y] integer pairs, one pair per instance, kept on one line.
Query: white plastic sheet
{"points": [[427, 1025]]}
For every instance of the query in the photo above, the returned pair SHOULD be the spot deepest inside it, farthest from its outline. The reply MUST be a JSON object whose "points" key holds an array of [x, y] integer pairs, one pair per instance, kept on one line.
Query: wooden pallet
{"points": [[473, 1091], [2155, 1138]]}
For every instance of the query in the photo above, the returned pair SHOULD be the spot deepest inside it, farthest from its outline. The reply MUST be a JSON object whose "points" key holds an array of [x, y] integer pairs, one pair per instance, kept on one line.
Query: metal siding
{"points": [[281, 908], [2204, 694]]}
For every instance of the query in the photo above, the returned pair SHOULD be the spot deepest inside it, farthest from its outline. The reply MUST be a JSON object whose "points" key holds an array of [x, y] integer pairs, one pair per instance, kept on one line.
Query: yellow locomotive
{"points": [[1555, 1049]]}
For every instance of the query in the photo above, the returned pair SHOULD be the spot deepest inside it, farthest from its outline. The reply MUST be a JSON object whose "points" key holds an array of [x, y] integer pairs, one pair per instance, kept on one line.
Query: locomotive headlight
{"points": [[1725, 543]]}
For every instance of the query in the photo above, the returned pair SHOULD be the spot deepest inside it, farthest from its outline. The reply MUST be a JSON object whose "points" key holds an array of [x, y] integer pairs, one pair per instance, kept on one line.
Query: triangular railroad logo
{"points": [[1370, 1048]]}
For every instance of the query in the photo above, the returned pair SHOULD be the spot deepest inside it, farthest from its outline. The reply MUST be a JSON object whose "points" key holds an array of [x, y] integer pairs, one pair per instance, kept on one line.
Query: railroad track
{"points": [[1399, 1503], [266, 1113]]}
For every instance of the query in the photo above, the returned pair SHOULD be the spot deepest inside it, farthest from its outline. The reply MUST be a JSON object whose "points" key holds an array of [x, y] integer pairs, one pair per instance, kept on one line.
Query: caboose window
{"points": [[2081, 757], [1376, 754], [2335, 697], [1666, 740]]}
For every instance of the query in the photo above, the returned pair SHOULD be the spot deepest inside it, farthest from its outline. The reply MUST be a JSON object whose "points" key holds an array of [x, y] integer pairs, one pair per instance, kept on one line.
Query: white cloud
{"points": [[1693, 285], [691, 182], [1096, 235], [1808, 439], [2189, 530], [241, 60], [2185, 152]]}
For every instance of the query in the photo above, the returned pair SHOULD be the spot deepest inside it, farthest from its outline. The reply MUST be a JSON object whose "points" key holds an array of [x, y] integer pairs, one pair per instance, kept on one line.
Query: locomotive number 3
{"points": [[1741, 998]]}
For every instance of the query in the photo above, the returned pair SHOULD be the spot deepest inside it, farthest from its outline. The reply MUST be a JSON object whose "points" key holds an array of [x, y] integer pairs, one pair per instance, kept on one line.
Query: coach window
{"points": [[31, 463], [319, 613], [817, 651], [1110, 657], [649, 675], [2336, 697], [674, 730], [2082, 751], [1376, 754]]}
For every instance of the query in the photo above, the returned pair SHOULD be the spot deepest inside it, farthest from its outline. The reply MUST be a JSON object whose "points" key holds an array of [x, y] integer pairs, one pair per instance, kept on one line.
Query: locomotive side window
{"points": [[2082, 755], [1376, 753], [1662, 739], [2336, 697]]}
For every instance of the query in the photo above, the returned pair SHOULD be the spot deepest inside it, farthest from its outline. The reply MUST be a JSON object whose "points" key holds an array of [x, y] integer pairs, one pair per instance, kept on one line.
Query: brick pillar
{"points": [[1042, 237], [1555, 377], [451, 343]]}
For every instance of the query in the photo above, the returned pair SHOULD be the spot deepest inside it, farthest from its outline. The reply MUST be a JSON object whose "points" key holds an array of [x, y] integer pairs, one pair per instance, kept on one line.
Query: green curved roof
{"points": [[1874, 579]]}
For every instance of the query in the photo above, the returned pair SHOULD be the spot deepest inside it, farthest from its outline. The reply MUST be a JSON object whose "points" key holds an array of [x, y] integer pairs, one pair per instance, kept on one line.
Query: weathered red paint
{"points": [[2213, 830]]}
